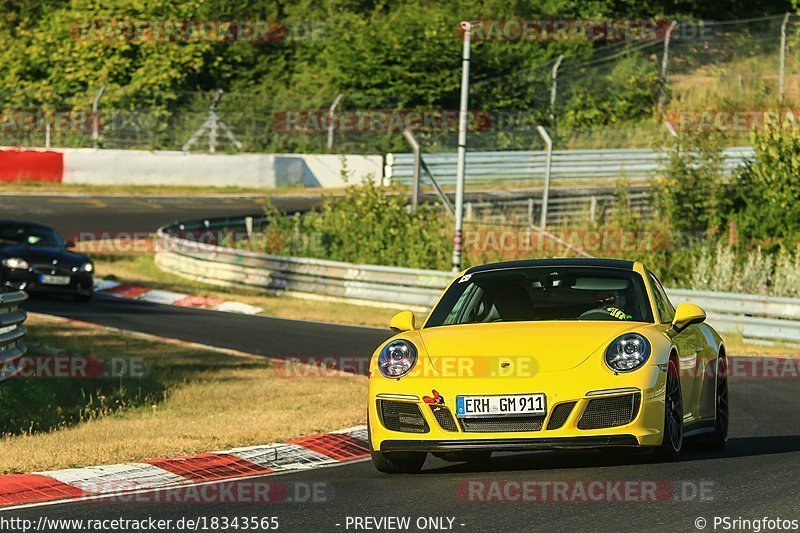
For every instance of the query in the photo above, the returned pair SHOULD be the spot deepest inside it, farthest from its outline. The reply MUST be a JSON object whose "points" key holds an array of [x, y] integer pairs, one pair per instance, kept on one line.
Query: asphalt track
{"points": [[754, 477], [71, 214]]}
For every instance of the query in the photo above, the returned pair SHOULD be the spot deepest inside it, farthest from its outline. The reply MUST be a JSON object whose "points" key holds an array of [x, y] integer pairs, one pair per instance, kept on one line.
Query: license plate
{"points": [[510, 405], [54, 280]]}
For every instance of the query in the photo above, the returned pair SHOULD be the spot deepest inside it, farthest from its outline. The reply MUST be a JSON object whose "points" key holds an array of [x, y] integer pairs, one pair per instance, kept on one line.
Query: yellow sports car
{"points": [[547, 354]]}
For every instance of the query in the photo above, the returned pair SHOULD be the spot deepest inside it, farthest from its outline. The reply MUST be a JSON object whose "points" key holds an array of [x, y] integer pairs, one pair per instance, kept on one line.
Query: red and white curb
{"points": [[305, 453], [146, 294]]}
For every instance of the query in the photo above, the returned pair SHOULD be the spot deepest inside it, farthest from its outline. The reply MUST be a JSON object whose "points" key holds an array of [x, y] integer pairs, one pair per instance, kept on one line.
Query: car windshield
{"points": [[30, 235], [544, 293]]}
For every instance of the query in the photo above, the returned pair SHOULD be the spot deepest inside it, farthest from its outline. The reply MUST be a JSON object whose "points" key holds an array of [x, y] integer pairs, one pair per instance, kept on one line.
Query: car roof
{"points": [[560, 262], [24, 223]]}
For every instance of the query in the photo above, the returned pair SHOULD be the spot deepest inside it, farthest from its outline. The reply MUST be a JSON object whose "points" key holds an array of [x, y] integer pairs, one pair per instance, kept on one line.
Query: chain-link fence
{"points": [[619, 96]]}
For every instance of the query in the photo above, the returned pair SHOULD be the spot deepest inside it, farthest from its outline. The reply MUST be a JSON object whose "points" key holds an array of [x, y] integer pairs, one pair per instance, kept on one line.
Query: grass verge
{"points": [[141, 269], [191, 400]]}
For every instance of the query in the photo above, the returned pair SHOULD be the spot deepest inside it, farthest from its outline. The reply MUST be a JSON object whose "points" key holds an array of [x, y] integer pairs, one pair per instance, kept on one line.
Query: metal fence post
{"points": [[662, 98], [331, 123], [554, 88], [782, 73], [462, 148], [546, 193], [415, 183], [95, 117]]}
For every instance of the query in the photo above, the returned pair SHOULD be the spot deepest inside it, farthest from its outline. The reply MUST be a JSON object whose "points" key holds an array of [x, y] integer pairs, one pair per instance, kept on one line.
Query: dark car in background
{"points": [[33, 258]]}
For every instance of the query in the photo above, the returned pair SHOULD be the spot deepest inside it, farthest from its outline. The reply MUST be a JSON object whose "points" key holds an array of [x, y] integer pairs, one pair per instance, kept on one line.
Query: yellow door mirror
{"points": [[403, 321], [687, 314]]}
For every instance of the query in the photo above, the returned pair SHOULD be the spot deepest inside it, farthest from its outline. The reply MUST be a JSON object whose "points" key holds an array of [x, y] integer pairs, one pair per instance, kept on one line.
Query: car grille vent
{"points": [[610, 412], [402, 416], [560, 414], [501, 425], [443, 416], [60, 270]]}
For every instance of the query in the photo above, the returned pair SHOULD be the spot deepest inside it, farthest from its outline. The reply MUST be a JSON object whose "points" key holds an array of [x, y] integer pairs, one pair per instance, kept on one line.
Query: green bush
{"points": [[766, 192], [690, 194], [366, 225]]}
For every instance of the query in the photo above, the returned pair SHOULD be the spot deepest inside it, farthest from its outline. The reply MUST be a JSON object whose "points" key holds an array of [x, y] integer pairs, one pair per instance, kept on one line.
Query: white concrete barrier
{"points": [[138, 167]]}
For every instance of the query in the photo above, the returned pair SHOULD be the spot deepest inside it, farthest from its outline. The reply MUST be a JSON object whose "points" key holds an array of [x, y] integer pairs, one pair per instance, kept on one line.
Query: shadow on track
{"points": [[555, 460]]}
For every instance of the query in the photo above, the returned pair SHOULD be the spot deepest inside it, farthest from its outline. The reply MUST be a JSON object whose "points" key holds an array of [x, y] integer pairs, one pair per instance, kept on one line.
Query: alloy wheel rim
{"points": [[722, 397], [674, 411]]}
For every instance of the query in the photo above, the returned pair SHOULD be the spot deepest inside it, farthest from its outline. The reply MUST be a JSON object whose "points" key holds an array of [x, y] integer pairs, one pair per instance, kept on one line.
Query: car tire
{"points": [[395, 463], [672, 442], [398, 462], [719, 437], [478, 456], [82, 296]]}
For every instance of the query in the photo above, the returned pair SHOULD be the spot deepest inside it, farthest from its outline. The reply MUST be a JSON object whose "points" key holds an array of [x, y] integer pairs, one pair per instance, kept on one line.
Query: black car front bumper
{"points": [[80, 282]]}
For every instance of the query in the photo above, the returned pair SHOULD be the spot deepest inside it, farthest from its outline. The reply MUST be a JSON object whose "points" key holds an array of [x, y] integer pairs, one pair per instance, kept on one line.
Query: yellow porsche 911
{"points": [[547, 354]]}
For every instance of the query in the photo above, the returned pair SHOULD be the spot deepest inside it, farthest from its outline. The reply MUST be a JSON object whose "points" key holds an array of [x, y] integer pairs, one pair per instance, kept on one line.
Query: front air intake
{"points": [[609, 412], [402, 416]]}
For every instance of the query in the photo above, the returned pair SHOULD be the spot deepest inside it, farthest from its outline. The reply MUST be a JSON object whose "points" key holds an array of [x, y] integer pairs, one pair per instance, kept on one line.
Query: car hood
{"points": [[42, 254], [547, 346]]}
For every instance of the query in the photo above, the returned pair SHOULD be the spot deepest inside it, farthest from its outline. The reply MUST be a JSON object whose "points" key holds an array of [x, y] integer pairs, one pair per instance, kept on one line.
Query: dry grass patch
{"points": [[191, 401]]}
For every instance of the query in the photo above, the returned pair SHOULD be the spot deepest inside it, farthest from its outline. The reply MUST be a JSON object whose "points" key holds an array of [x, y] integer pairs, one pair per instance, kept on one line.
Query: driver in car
{"points": [[613, 303]]}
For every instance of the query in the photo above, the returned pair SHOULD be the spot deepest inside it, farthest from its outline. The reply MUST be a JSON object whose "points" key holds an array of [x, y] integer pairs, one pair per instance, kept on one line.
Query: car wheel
{"points": [[672, 443], [395, 463], [478, 456], [398, 462], [82, 297], [719, 437]]}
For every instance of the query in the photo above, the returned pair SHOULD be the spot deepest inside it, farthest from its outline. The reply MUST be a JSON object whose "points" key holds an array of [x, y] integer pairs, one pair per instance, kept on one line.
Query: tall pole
{"points": [[458, 242], [662, 99], [783, 56]]}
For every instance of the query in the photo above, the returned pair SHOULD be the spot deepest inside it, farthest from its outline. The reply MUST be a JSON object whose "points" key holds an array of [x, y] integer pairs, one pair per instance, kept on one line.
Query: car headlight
{"points": [[15, 263], [627, 352], [87, 267], [397, 358]]}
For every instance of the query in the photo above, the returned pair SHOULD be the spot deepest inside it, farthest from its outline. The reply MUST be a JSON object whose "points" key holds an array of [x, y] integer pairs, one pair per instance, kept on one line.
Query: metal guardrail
{"points": [[313, 278], [12, 330], [567, 164], [753, 316]]}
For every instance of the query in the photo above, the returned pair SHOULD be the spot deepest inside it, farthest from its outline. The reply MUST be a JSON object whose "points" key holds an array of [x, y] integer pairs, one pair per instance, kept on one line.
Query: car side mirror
{"points": [[69, 244], [403, 321], [687, 314]]}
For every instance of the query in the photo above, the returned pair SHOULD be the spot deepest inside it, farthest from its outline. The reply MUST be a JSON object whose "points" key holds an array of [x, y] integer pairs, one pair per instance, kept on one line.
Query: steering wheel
{"points": [[594, 314]]}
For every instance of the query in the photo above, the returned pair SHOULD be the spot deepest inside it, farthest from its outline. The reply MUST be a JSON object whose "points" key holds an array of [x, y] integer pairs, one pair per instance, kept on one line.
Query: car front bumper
{"points": [[645, 427], [80, 282]]}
